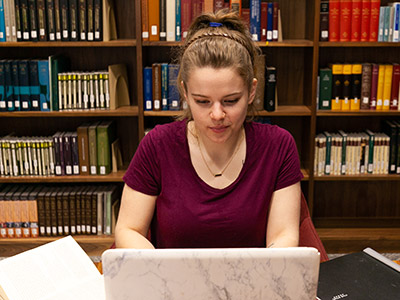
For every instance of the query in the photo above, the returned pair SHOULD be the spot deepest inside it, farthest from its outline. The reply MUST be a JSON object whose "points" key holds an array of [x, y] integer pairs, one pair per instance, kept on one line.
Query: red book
{"points": [[186, 16], [374, 20], [334, 10], [365, 23], [197, 8], [356, 6], [345, 20], [374, 86], [246, 16], [275, 22], [264, 18], [394, 100]]}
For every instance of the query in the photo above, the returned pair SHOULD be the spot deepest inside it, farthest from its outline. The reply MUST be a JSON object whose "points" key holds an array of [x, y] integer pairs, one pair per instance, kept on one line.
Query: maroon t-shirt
{"points": [[190, 213]]}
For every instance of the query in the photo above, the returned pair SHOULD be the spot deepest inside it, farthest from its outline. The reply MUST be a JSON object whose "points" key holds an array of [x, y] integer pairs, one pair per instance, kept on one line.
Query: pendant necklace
{"points": [[227, 164]]}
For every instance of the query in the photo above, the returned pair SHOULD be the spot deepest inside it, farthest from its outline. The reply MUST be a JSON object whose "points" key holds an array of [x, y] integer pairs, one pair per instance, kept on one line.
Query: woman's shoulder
{"points": [[164, 133], [262, 131]]}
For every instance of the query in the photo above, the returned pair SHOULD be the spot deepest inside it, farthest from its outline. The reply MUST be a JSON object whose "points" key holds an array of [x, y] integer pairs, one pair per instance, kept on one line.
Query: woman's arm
{"points": [[284, 217], [134, 219]]}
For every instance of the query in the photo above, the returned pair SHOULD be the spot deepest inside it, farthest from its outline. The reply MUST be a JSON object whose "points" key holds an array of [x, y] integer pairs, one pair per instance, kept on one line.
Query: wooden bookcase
{"points": [[350, 212]]}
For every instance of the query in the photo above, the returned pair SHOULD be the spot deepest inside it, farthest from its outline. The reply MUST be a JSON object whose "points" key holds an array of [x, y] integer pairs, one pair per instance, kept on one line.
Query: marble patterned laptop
{"points": [[237, 273]]}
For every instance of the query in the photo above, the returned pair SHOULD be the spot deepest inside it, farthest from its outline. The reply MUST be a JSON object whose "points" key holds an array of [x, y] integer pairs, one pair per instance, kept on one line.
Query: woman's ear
{"points": [[253, 89]]}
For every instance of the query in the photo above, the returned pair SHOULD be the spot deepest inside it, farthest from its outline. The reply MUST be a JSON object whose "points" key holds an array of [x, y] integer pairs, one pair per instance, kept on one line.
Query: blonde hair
{"points": [[217, 40]]}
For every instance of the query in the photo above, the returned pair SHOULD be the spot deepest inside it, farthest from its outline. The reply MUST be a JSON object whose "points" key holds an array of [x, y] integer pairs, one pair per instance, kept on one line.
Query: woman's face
{"points": [[218, 100]]}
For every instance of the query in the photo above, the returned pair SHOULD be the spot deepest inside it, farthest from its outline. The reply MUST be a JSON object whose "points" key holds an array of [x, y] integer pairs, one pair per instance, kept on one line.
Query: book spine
{"points": [[13, 21], [263, 21], [100, 212], [334, 20], [41, 17], [178, 21], [51, 28], [356, 6], [18, 22], [93, 212], [374, 20], [163, 20], [154, 20], [381, 23], [164, 86], [325, 89], [173, 92], [34, 84], [396, 22], [386, 23], [345, 21], [2, 23], [374, 86], [236, 6], [92, 137], [170, 20], [145, 19], [246, 15], [337, 86], [324, 21], [65, 20], [3, 102], [387, 87], [72, 211], [57, 20], [391, 130], [74, 20], [90, 20], [394, 100], [44, 84], [148, 88], [255, 19], [104, 149], [83, 149], [356, 71], [25, 20], [270, 21], [156, 72], [8, 86], [33, 20], [380, 87], [51, 156], [365, 85], [82, 12], [186, 16], [270, 89], [365, 20], [67, 154], [75, 154], [7, 20], [258, 102], [16, 85], [65, 213], [98, 20], [33, 218]]}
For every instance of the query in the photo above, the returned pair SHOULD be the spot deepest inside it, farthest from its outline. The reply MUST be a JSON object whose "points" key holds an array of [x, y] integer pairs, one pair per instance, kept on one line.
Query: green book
{"points": [[344, 147], [328, 136], [325, 88], [92, 138], [105, 137], [57, 64], [390, 129], [371, 151]]}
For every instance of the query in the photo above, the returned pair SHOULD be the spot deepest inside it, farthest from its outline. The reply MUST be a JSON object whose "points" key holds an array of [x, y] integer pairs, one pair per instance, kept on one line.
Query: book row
{"points": [[359, 86], [87, 151], [51, 20], [160, 90], [359, 20], [169, 20], [37, 210], [366, 152]]}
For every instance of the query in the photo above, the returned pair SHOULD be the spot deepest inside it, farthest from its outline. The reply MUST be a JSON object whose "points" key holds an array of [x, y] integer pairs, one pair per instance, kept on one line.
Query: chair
{"points": [[308, 235]]}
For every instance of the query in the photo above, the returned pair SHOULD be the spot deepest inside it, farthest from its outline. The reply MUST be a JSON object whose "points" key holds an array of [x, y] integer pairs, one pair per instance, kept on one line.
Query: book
{"points": [[98, 22], [83, 148], [170, 21], [360, 275], [334, 20], [325, 88], [337, 86], [33, 20], [145, 20], [3, 101], [374, 20], [356, 6], [63, 257], [255, 19], [185, 17], [90, 20], [263, 20], [390, 129], [380, 87], [324, 21], [374, 86], [9, 89], [275, 22], [174, 102], [51, 26], [2, 23], [65, 20], [365, 20], [105, 136], [25, 20], [258, 102], [44, 84], [163, 19], [381, 23], [270, 21], [42, 21], [148, 88], [347, 87], [82, 20], [387, 86], [365, 85], [270, 89], [154, 20], [34, 86], [164, 86], [394, 95], [16, 86], [178, 27], [92, 139], [236, 6], [13, 24], [356, 73], [73, 20], [156, 73]]}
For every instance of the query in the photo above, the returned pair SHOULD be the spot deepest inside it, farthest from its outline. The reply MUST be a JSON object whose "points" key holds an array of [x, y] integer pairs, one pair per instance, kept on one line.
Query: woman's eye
{"points": [[202, 101], [230, 102]]}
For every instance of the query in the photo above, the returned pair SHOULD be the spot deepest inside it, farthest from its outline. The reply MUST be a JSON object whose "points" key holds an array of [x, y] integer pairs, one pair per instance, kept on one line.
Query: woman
{"points": [[213, 179]]}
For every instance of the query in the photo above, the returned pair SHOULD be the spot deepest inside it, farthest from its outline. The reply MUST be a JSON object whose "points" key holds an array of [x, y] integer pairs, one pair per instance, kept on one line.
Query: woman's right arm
{"points": [[134, 219]]}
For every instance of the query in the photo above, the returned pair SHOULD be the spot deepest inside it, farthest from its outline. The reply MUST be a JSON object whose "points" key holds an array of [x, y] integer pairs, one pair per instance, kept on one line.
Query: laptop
{"points": [[233, 273]]}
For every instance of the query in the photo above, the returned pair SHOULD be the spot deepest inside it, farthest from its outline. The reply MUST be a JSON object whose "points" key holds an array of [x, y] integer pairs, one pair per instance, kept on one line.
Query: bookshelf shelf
{"points": [[358, 44], [361, 177], [360, 113], [305, 174], [124, 111], [112, 177], [94, 245], [113, 43]]}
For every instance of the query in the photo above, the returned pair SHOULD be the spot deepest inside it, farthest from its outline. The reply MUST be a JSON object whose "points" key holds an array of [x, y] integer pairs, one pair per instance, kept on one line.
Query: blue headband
{"points": [[215, 24]]}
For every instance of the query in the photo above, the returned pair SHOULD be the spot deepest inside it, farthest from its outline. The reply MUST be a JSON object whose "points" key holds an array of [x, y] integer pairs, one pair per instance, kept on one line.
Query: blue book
{"points": [[164, 86], [386, 24], [148, 88], [270, 21], [174, 102], [2, 23], [15, 84], [8, 85], [44, 83], [34, 85], [178, 20], [381, 23], [24, 87], [396, 22], [3, 102], [255, 19]]}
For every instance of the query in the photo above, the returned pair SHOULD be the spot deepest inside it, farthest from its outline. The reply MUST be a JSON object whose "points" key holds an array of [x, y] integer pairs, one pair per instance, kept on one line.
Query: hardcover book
{"points": [[365, 85], [337, 86], [356, 6], [145, 20], [105, 136], [83, 148], [394, 101], [325, 92], [324, 21], [92, 138], [33, 20], [41, 16], [270, 89], [148, 88], [74, 20], [154, 20], [174, 102], [51, 26], [334, 22], [34, 87]]}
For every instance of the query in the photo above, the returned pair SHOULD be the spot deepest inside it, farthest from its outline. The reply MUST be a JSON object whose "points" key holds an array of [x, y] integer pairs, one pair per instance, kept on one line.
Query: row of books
{"points": [[359, 86], [83, 90], [87, 151], [359, 20], [51, 20], [37, 210], [169, 20], [366, 152]]}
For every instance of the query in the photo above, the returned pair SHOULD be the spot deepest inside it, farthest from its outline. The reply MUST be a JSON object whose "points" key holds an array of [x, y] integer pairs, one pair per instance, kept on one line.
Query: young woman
{"points": [[213, 179]]}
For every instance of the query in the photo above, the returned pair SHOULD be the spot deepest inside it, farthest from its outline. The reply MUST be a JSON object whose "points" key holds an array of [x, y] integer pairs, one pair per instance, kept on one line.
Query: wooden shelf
{"points": [[358, 44], [112, 177], [344, 240], [361, 113], [94, 245], [361, 177], [124, 111], [284, 43], [78, 44], [305, 174], [282, 111]]}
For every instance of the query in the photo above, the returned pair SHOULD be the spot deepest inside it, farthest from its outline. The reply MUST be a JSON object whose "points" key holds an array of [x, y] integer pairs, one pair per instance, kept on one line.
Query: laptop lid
{"points": [[235, 273]]}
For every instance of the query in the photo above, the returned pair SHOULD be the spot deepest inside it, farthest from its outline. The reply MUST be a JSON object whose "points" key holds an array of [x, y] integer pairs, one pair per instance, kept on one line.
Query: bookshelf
{"points": [[350, 212]]}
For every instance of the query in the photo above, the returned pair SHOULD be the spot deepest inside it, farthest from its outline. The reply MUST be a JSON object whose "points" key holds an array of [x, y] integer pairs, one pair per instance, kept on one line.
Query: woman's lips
{"points": [[218, 129]]}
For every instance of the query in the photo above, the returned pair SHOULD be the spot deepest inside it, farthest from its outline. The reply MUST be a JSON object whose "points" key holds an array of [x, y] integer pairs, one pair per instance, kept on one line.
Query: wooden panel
{"points": [[293, 15], [125, 19]]}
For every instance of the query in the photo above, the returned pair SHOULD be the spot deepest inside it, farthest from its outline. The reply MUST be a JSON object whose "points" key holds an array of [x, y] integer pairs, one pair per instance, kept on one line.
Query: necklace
{"points": [[227, 164]]}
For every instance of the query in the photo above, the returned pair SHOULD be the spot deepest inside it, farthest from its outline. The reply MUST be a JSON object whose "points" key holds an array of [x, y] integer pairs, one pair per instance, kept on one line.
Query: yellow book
{"points": [[356, 71], [379, 93], [387, 86], [337, 86], [346, 87]]}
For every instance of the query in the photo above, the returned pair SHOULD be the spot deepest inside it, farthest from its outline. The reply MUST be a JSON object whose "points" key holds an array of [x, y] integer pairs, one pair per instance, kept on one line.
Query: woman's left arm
{"points": [[284, 217]]}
